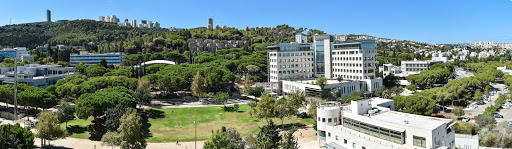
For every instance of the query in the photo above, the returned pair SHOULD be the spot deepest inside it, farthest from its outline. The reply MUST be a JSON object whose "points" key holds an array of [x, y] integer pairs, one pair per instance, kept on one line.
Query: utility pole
{"points": [[195, 136], [15, 89]]}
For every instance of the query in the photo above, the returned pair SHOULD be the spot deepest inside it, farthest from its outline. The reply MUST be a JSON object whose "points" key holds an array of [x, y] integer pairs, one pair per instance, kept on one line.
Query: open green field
{"points": [[167, 125]]}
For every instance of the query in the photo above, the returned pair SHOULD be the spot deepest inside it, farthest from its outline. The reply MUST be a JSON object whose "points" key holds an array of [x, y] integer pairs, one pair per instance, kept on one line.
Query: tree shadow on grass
{"points": [[75, 129], [145, 120], [93, 134], [291, 125], [154, 114]]}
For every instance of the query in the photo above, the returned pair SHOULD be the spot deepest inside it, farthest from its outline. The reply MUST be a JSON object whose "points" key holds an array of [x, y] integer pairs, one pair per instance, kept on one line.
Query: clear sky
{"points": [[431, 21]]}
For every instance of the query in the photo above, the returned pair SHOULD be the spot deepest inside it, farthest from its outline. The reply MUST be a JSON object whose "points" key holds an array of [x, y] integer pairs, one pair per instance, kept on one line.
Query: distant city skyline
{"points": [[431, 21]]}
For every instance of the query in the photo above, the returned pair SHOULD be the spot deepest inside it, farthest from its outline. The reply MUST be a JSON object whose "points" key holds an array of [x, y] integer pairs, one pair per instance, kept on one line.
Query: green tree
{"points": [[265, 108], [48, 127], [268, 137], [221, 97], [15, 136], [114, 115], [197, 86], [321, 81], [484, 120], [80, 67], [103, 62], [95, 70], [289, 141], [111, 139], [412, 87], [66, 112], [131, 133], [225, 138], [458, 111], [142, 96], [256, 91], [312, 111], [380, 90]]}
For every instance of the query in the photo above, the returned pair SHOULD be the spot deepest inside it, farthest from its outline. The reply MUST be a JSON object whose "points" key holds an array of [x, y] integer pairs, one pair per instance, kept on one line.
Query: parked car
{"points": [[509, 123], [481, 102], [465, 119], [498, 115]]}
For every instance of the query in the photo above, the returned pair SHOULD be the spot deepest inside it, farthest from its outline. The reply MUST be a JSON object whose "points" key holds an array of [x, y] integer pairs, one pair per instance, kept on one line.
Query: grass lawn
{"points": [[78, 128], [164, 123]]}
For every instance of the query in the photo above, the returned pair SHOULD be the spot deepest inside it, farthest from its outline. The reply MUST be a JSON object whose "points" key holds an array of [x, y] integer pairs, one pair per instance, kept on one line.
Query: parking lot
{"points": [[472, 112]]}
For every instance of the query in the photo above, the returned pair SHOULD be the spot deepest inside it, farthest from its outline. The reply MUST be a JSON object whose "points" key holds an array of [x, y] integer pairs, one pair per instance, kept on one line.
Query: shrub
{"points": [[256, 91], [236, 107], [464, 128]]}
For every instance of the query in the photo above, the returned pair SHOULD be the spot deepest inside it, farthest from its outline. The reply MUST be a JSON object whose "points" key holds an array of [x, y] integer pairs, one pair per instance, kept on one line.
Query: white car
{"points": [[465, 119]]}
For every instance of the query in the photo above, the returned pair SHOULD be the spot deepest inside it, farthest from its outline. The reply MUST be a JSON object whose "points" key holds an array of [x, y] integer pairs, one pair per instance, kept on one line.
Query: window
{"points": [[354, 145], [419, 141], [318, 117], [329, 134], [345, 141], [336, 137], [363, 147], [329, 120], [323, 120]]}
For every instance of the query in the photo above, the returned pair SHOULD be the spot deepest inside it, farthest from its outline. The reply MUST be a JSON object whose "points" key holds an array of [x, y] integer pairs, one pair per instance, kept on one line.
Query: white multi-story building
{"points": [[372, 124], [416, 66], [91, 59], [290, 61], [102, 18], [348, 60], [134, 23]]}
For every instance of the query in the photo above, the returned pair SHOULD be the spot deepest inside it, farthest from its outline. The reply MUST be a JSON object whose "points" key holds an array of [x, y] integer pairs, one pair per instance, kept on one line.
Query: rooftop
{"points": [[399, 119], [327, 83]]}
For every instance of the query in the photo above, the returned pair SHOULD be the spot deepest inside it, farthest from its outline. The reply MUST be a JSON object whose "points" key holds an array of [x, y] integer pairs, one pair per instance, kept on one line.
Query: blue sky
{"points": [[431, 21]]}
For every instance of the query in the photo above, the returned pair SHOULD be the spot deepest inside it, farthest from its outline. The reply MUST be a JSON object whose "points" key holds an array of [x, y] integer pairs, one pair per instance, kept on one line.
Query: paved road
{"points": [[471, 112]]}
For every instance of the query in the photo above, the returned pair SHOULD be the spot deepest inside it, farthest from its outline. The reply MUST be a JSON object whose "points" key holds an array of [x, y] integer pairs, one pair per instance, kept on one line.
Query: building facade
{"points": [[18, 52], [209, 23], [36, 75], [48, 16], [290, 61], [416, 66], [325, 57], [91, 59], [372, 123]]}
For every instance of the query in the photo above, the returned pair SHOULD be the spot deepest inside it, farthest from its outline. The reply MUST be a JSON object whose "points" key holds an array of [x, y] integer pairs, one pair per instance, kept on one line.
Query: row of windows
{"points": [[354, 145], [291, 54], [376, 131], [291, 77], [292, 66], [350, 77], [292, 60], [416, 65], [292, 71], [414, 69], [353, 71]]}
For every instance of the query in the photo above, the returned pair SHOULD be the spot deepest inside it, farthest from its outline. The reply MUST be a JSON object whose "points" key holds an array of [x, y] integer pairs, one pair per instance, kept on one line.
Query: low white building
{"points": [[372, 124], [311, 89], [416, 66], [35, 75], [388, 69]]}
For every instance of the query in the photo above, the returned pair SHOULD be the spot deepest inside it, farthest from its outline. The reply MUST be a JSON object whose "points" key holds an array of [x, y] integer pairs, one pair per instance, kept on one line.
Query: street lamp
{"points": [[195, 136]]}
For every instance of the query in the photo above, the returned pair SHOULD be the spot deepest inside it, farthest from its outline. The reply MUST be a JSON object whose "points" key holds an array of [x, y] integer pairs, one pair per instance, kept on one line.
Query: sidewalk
{"points": [[88, 144]]}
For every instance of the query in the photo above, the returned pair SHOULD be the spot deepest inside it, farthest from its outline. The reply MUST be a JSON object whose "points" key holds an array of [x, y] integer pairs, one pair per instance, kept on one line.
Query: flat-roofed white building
{"points": [[416, 66], [372, 124], [311, 89], [35, 75]]}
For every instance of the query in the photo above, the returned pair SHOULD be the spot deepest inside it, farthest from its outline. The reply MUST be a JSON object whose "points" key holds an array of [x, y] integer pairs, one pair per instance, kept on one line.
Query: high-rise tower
{"points": [[48, 15], [210, 23]]}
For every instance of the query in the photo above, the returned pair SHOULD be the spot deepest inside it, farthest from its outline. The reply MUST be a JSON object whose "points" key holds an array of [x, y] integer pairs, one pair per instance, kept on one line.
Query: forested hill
{"points": [[73, 33], [81, 32]]}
